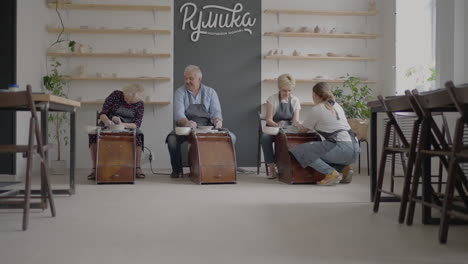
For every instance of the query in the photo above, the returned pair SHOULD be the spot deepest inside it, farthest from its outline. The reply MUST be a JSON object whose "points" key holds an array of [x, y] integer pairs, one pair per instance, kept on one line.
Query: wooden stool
{"points": [[212, 157], [290, 171], [116, 157]]}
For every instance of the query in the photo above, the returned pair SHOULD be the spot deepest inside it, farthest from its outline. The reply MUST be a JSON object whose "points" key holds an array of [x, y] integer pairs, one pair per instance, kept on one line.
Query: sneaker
{"points": [[347, 174], [330, 179]]}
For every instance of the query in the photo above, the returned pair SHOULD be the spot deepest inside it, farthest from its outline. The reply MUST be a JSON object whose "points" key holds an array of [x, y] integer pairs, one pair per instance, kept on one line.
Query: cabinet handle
{"points": [[115, 176]]}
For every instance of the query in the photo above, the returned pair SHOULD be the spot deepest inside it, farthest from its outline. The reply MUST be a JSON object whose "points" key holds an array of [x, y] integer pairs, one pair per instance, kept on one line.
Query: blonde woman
{"points": [[339, 147], [122, 107], [282, 110]]}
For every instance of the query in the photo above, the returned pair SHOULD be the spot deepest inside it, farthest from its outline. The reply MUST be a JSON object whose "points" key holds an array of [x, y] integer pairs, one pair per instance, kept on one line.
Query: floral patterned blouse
{"points": [[115, 100]]}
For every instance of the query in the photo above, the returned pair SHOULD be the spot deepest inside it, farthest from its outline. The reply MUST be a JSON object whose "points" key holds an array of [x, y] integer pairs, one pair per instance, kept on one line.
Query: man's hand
{"points": [[191, 124], [218, 123], [116, 120]]}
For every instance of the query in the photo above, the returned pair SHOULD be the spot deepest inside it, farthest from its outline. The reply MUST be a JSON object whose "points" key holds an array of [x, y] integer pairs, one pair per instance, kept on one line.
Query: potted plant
{"points": [[353, 97], [54, 83]]}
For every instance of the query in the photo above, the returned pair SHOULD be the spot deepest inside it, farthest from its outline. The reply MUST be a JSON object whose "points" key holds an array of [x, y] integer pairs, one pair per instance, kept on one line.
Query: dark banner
{"points": [[8, 76], [224, 39]]}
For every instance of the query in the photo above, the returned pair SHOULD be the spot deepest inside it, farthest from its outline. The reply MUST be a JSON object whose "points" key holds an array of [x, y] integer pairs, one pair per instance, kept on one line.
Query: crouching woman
{"points": [[339, 147]]}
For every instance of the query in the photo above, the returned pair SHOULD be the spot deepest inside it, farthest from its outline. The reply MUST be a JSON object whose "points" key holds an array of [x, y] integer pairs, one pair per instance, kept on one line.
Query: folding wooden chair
{"points": [[391, 106], [24, 101], [455, 179], [433, 143]]}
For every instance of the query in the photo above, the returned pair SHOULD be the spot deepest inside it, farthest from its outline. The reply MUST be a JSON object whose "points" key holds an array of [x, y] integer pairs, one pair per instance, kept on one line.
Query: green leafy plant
{"points": [[353, 97], [54, 83], [421, 75]]}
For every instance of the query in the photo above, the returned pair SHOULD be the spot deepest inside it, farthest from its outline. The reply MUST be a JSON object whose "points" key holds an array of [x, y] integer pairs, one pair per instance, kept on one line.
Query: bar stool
{"points": [[459, 97], [24, 100], [391, 106]]}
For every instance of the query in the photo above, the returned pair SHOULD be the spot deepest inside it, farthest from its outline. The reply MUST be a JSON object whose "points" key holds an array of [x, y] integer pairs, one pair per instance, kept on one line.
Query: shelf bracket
{"points": [[154, 39], [277, 18], [277, 64], [154, 62]]}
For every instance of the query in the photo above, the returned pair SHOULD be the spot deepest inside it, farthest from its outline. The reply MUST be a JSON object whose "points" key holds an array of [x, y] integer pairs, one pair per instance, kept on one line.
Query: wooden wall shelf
{"points": [[321, 35], [111, 7], [316, 81], [99, 102], [320, 58], [117, 78], [321, 12], [109, 31], [135, 55]]}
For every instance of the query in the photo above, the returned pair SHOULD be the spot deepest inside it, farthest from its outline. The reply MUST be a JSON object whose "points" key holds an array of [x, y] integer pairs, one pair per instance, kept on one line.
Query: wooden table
{"points": [[212, 157], [46, 103], [290, 171]]}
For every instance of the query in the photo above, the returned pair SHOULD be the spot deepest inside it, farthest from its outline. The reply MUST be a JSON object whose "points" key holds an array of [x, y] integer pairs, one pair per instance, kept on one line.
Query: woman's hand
{"points": [[116, 120], [282, 123], [108, 123]]}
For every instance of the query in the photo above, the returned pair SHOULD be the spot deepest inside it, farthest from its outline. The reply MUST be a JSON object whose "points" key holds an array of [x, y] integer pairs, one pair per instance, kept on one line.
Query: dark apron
{"points": [[127, 116], [285, 111], [198, 112], [309, 152]]}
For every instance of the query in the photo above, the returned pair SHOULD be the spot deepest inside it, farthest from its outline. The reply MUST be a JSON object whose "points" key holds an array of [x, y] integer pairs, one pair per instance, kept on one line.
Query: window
{"points": [[415, 45]]}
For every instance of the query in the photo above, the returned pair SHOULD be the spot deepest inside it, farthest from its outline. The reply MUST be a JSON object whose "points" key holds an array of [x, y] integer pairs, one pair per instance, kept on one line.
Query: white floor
{"points": [[159, 220]]}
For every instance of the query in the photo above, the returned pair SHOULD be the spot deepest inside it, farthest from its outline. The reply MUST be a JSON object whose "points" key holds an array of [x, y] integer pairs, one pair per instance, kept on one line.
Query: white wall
{"points": [[31, 43]]}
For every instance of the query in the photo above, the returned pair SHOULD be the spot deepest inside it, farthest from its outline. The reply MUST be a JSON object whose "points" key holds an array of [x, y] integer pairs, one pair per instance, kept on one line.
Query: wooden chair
{"points": [[408, 147], [455, 179], [433, 143], [20, 101], [261, 124]]}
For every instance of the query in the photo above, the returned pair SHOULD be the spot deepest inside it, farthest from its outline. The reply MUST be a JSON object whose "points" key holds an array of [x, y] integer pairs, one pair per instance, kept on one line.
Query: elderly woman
{"points": [[339, 147], [122, 107], [282, 109]]}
